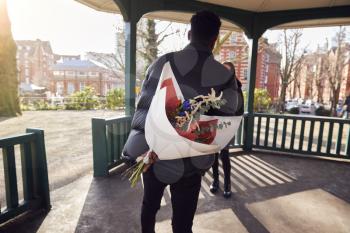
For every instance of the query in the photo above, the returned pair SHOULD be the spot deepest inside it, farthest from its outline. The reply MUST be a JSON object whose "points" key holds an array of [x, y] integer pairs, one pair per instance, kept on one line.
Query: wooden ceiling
{"points": [[249, 5], [277, 5]]}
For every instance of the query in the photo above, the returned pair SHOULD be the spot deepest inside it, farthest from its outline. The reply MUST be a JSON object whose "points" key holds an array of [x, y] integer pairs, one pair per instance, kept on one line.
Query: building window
{"points": [[28, 48], [82, 73], [26, 72], [70, 73], [58, 73], [59, 88], [232, 55], [82, 86], [93, 74], [233, 38], [71, 88], [245, 74]]}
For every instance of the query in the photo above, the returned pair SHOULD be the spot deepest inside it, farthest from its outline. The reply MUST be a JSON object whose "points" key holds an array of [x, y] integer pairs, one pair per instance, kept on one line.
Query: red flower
{"points": [[207, 131]]}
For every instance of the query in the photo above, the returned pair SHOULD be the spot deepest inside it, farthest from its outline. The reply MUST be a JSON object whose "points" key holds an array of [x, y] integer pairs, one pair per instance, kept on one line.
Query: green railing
{"points": [[34, 174], [322, 136], [238, 140], [108, 138]]}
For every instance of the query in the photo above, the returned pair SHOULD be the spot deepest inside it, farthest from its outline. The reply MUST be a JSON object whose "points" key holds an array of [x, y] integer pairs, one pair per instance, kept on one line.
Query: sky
{"points": [[311, 36], [73, 28]]}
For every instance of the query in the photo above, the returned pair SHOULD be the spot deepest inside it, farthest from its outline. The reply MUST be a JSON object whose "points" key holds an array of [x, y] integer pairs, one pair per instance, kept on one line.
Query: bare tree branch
{"points": [[165, 29], [292, 62]]}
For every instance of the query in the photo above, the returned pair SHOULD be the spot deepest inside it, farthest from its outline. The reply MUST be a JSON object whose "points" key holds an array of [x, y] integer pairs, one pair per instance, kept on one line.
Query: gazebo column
{"points": [[249, 119], [130, 65]]}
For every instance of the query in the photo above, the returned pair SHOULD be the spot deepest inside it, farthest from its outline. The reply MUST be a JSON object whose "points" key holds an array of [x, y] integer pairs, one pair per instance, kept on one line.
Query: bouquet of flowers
{"points": [[178, 128]]}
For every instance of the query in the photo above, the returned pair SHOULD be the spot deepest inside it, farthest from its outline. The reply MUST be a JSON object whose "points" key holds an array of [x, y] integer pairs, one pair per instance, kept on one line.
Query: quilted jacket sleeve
{"points": [[136, 144]]}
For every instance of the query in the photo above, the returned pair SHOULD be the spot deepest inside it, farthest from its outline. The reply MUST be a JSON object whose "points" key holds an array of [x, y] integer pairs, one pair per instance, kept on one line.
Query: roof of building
{"points": [[251, 5], [66, 57], [75, 64]]}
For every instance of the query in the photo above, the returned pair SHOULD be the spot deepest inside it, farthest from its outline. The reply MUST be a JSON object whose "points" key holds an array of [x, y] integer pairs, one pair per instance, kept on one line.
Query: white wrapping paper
{"points": [[164, 140]]}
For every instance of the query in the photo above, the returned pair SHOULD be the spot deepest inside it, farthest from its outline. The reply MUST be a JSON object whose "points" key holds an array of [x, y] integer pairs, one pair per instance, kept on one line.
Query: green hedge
{"points": [[83, 100], [115, 98]]}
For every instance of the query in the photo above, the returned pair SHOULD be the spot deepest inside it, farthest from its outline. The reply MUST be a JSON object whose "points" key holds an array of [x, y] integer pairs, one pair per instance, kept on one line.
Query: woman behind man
{"points": [[224, 154]]}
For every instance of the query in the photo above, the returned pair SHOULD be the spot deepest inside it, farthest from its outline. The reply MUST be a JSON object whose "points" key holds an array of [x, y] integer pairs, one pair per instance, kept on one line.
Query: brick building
{"points": [[313, 81], [34, 61], [73, 75], [60, 75], [268, 68], [235, 49]]}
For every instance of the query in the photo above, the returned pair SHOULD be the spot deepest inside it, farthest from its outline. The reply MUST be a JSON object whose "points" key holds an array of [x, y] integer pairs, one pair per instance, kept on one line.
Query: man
{"points": [[196, 72], [224, 153], [346, 109]]}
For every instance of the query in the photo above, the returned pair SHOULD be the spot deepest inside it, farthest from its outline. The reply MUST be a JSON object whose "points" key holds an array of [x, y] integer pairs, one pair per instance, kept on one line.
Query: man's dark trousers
{"points": [[184, 198]]}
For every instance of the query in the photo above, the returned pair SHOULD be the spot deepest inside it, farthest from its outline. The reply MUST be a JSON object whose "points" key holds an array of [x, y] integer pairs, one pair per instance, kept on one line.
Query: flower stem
{"points": [[136, 175]]}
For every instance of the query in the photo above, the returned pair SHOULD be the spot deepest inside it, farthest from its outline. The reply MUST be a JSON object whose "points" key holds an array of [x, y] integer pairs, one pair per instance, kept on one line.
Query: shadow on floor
{"points": [[27, 224], [270, 194]]}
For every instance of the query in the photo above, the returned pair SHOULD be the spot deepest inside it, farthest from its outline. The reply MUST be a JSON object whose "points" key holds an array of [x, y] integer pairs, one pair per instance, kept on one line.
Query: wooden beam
{"points": [[130, 66], [249, 120]]}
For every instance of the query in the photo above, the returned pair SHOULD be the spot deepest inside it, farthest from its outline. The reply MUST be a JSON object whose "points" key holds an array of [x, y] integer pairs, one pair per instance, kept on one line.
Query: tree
{"points": [[220, 42], [113, 62], [335, 65], [297, 75], [262, 100], [150, 39], [320, 73], [292, 58], [9, 102], [115, 98], [148, 44], [83, 100]]}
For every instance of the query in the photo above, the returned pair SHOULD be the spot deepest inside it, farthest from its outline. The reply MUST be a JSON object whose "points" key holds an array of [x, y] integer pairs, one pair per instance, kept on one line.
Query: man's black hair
{"points": [[205, 26]]}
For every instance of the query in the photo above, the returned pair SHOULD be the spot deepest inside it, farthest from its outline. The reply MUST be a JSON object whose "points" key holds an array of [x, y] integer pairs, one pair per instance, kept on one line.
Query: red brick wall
{"points": [[273, 81], [267, 74]]}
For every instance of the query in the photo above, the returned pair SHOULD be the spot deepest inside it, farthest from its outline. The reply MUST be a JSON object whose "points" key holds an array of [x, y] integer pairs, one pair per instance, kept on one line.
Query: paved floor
{"points": [[272, 193], [64, 150]]}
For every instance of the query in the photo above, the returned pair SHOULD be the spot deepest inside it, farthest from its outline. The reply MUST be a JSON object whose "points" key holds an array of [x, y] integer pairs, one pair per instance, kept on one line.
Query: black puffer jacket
{"points": [[196, 72]]}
